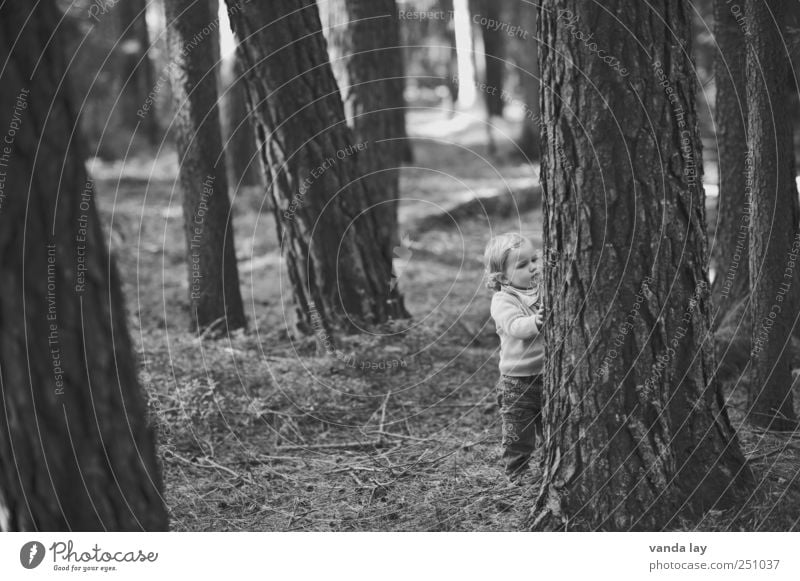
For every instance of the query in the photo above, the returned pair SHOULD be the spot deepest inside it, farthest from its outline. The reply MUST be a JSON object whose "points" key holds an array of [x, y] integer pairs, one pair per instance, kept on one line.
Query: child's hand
{"points": [[539, 317]]}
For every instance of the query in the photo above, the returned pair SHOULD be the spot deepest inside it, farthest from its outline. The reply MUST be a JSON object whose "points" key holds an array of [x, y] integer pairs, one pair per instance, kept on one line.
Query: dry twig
{"points": [[337, 446]]}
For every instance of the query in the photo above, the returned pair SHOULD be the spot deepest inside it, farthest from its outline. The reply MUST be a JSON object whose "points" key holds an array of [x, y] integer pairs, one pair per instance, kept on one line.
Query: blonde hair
{"points": [[495, 257]]}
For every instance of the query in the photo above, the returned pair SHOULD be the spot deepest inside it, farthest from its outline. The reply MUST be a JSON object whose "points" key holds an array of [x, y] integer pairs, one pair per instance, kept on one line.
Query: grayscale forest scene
{"points": [[399, 265]]}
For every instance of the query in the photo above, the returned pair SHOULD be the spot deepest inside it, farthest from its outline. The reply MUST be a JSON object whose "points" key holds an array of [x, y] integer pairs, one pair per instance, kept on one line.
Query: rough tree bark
{"points": [[75, 448], [340, 273], [729, 253], [774, 235], [363, 44], [214, 294], [135, 68], [636, 434]]}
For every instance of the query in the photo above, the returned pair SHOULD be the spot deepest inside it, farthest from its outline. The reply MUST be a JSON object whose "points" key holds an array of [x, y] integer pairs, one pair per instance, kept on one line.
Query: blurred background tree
{"points": [[367, 61], [213, 280]]}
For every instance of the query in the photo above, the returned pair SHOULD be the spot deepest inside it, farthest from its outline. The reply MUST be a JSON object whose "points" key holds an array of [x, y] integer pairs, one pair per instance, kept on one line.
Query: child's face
{"points": [[522, 268]]}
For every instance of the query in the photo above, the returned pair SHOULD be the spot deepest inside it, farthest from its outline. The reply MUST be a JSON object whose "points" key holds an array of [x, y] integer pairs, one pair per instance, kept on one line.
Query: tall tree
{"points": [[135, 68], [239, 139], [96, 72], [774, 234], [494, 52], [367, 62], [636, 433], [75, 448], [462, 25], [729, 252], [339, 268], [449, 60], [214, 292]]}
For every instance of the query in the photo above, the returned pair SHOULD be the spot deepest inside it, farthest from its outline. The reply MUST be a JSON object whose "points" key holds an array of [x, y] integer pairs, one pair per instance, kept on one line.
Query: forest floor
{"points": [[260, 432]]}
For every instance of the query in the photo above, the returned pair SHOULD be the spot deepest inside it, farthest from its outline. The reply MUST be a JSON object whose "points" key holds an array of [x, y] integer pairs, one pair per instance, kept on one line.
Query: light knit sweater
{"points": [[521, 348]]}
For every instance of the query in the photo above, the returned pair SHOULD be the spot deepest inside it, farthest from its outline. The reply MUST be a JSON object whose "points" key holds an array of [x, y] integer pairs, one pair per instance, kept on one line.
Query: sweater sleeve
{"points": [[510, 317]]}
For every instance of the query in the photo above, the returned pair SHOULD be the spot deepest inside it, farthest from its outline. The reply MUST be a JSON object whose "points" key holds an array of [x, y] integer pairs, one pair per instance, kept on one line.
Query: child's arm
{"points": [[510, 317]]}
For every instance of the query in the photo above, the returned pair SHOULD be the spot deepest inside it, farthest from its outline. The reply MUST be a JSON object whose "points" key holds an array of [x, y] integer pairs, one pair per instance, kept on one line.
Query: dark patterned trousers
{"points": [[520, 401]]}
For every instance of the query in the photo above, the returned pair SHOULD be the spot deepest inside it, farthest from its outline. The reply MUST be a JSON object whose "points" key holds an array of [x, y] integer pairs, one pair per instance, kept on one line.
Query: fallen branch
{"points": [[383, 416], [350, 468], [791, 434], [340, 445], [401, 436], [210, 465], [752, 457]]}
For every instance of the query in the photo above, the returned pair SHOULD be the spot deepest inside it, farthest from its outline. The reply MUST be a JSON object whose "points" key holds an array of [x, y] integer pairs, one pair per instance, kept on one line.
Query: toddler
{"points": [[513, 272]]}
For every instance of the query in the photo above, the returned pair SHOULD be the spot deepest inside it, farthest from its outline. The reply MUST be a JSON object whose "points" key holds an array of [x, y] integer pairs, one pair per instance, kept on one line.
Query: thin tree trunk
{"points": [[363, 44], [729, 252], [239, 139], [465, 54], [494, 52], [636, 433], [340, 273], [774, 235], [136, 70], [214, 294], [75, 448], [451, 64]]}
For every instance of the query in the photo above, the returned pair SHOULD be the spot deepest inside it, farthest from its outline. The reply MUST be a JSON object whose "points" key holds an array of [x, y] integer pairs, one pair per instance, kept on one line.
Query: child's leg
{"points": [[520, 411]]}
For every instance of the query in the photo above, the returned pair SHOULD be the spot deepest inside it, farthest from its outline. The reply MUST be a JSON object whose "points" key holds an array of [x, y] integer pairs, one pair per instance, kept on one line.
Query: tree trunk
{"points": [[729, 251], [75, 447], [451, 63], [636, 433], [340, 272], [135, 68], [494, 52], [774, 235], [239, 137], [462, 24], [363, 43], [214, 293]]}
